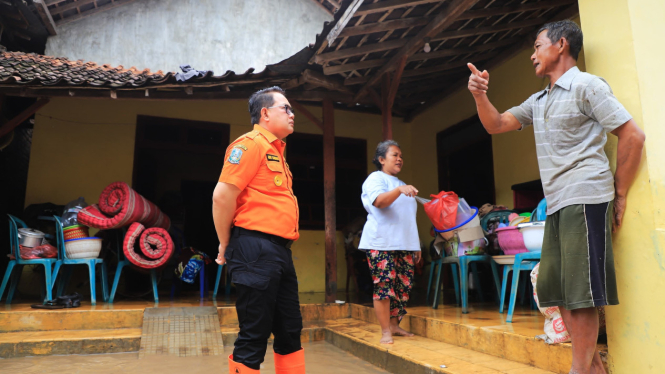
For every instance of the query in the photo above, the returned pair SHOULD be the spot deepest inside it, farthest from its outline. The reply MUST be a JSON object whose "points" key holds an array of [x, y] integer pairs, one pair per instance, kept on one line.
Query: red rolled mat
{"points": [[119, 206], [155, 246]]}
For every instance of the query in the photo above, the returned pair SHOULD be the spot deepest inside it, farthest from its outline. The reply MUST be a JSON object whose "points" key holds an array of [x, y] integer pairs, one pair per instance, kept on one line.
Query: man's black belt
{"points": [[286, 243]]}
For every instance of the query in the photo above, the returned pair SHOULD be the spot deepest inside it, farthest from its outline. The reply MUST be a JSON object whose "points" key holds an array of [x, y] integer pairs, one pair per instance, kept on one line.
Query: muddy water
{"points": [[320, 357]]}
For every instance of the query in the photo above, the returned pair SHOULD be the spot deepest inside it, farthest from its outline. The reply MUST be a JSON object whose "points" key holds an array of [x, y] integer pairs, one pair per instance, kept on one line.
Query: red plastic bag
{"points": [[34, 253], [442, 210]]}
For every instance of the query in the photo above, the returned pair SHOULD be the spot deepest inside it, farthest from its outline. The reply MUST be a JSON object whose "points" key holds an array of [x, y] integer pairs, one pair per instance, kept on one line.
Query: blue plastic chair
{"points": [[122, 262], [464, 263], [227, 291], [18, 263], [523, 262], [90, 262]]}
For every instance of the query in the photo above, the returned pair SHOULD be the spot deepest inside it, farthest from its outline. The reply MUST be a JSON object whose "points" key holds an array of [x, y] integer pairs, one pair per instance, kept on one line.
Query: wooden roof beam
{"points": [[335, 69], [498, 60], [319, 80], [501, 10], [456, 34], [301, 108], [359, 51], [445, 18], [387, 5], [70, 6], [90, 12], [45, 15], [20, 118], [395, 24]]}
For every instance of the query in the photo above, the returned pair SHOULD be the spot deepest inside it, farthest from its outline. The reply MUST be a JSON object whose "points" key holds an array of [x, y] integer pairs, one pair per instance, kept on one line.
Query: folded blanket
{"points": [[155, 246], [119, 206]]}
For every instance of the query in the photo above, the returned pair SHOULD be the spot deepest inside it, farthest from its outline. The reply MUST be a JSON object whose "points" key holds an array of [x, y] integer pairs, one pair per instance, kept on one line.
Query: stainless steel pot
{"points": [[30, 237]]}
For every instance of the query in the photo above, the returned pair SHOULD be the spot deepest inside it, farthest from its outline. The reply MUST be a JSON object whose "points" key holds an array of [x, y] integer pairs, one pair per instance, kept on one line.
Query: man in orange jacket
{"points": [[256, 218]]}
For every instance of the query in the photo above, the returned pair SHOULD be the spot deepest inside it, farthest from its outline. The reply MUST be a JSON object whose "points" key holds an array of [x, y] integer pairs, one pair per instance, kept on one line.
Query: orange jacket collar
{"points": [[267, 134]]}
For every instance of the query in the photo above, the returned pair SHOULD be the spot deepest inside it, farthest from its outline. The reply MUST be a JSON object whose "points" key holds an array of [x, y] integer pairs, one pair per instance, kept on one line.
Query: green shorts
{"points": [[577, 263]]}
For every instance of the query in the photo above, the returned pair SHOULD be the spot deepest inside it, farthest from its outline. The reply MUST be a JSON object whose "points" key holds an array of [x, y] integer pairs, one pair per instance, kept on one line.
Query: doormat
{"points": [[188, 331]]}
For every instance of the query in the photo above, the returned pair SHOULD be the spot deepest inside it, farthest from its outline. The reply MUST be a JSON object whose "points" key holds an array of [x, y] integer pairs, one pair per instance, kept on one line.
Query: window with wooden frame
{"points": [[305, 158]]}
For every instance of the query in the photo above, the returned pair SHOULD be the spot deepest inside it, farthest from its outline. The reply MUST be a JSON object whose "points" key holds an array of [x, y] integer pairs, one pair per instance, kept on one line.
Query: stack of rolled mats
{"points": [[121, 206]]}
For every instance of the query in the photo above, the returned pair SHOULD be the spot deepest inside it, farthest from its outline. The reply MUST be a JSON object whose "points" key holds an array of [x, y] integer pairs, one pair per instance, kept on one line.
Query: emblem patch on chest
{"points": [[236, 155]]}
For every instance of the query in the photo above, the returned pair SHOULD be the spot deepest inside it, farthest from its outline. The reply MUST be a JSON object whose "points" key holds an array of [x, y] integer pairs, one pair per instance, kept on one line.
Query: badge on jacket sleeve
{"points": [[235, 156]]}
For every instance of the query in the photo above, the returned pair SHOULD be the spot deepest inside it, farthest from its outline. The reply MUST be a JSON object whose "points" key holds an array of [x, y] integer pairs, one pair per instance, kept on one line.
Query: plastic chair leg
{"points": [[105, 282], [48, 282], [506, 270], [56, 270], [15, 279], [435, 305], [220, 268], [522, 289], [497, 282], [513, 294], [153, 275], [432, 266], [5, 279], [464, 285], [453, 267], [93, 288], [476, 280], [116, 280]]}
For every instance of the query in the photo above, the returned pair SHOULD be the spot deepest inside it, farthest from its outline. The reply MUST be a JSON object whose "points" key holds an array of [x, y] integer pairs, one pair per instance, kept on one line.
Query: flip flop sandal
{"points": [[49, 304], [70, 301]]}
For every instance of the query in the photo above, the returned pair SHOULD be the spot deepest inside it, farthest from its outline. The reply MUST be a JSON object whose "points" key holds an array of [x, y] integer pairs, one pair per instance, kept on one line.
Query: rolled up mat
{"points": [[119, 205], [155, 246]]}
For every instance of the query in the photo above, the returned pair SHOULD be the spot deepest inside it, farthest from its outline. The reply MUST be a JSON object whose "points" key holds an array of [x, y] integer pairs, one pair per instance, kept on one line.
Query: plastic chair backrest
{"points": [[60, 238], [14, 224], [540, 213]]}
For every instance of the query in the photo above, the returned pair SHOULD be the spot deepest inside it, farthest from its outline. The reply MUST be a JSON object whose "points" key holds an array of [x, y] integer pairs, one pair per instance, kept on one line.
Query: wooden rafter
{"points": [[23, 116], [335, 69], [390, 5], [496, 61], [45, 15], [444, 19], [489, 29], [301, 108], [90, 12], [501, 10], [66, 7]]}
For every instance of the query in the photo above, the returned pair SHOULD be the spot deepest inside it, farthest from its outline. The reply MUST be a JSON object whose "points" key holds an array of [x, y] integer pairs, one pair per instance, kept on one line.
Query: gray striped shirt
{"points": [[571, 122]]}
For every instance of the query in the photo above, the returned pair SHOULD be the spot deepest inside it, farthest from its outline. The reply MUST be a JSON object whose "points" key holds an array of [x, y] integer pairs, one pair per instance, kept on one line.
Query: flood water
{"points": [[320, 357]]}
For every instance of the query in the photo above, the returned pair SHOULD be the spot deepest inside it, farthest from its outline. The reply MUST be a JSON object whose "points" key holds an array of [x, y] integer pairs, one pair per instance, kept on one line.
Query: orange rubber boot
{"points": [[236, 368], [293, 363]]}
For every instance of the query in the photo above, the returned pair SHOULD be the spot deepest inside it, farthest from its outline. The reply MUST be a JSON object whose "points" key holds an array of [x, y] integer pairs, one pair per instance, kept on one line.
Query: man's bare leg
{"points": [[382, 310], [582, 325]]}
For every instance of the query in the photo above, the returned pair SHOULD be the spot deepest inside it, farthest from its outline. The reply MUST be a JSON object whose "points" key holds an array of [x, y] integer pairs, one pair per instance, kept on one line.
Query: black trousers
{"points": [[267, 289]]}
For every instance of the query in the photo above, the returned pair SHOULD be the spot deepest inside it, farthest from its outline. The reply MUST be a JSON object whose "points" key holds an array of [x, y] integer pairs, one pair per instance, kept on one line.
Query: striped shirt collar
{"points": [[565, 81]]}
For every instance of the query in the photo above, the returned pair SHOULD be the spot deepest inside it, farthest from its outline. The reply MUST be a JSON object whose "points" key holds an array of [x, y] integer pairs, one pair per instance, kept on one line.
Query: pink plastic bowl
{"points": [[511, 240]]}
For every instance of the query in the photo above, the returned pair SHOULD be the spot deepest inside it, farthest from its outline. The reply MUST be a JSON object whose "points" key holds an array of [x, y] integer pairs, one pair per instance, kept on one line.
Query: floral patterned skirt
{"points": [[392, 273]]}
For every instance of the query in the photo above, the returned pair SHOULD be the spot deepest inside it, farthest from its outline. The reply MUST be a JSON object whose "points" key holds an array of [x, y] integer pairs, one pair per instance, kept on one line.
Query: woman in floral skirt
{"points": [[390, 238]]}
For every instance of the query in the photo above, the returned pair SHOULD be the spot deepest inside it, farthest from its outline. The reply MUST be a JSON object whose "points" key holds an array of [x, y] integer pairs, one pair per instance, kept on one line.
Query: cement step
{"points": [[417, 355], [64, 342], [485, 332]]}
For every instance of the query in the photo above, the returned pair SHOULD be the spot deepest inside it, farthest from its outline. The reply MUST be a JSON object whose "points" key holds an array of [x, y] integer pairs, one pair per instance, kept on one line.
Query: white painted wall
{"points": [[216, 35]]}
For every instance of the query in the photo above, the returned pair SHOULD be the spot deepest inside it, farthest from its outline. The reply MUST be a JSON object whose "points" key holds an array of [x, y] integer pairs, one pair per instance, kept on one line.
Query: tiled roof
{"points": [[30, 68]]}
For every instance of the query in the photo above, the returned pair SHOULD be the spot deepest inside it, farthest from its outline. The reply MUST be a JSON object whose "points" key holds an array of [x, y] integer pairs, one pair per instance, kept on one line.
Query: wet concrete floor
{"points": [[320, 357]]}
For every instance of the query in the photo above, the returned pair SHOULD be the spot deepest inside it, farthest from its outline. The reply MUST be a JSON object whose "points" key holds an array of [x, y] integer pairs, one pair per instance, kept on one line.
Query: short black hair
{"points": [[262, 99], [381, 151], [565, 29]]}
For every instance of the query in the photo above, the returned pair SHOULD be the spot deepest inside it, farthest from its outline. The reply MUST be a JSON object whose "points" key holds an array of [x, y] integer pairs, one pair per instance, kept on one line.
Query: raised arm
{"points": [[493, 121]]}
